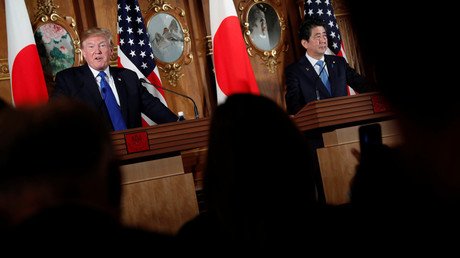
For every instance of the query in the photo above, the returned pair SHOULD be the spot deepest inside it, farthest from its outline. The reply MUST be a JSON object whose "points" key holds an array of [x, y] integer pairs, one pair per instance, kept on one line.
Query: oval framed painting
{"points": [[264, 26], [166, 37], [55, 48]]}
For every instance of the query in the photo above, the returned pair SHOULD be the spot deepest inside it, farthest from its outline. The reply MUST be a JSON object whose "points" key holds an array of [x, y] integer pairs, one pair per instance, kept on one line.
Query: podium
{"points": [[160, 196], [163, 140], [332, 127], [342, 112], [157, 194]]}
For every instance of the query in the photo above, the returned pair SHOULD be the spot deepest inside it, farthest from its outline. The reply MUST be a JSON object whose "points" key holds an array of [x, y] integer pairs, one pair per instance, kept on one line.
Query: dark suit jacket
{"points": [[302, 81], [79, 83]]}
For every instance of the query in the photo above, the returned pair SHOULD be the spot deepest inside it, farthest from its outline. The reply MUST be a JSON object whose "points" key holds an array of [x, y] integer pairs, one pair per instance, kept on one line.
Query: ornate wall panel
{"points": [[196, 78]]}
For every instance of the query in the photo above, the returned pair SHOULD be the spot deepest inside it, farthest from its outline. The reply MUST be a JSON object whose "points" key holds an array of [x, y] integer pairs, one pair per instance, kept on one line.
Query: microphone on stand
{"points": [[195, 108], [316, 81]]}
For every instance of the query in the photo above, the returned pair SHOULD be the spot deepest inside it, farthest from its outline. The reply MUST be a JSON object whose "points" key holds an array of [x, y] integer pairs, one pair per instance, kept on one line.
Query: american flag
{"points": [[134, 49], [322, 9]]}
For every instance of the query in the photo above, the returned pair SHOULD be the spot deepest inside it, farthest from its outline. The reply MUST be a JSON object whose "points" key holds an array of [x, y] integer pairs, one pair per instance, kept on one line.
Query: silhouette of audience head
{"points": [[60, 185], [402, 79], [426, 102], [54, 155], [258, 175]]}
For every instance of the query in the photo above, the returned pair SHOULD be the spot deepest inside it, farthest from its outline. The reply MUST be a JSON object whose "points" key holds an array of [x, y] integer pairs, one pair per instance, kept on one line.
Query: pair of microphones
{"points": [[195, 108]]}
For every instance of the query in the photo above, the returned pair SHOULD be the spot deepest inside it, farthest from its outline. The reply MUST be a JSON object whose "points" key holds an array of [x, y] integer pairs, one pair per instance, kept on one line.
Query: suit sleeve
{"points": [[358, 82], [60, 88], [294, 96], [152, 107]]}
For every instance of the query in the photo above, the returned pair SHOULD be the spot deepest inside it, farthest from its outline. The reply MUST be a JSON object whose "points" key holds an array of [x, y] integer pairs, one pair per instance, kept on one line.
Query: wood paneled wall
{"points": [[196, 81]]}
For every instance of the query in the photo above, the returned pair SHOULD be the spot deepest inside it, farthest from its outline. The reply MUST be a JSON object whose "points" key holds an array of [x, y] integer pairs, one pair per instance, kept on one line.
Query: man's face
{"points": [[97, 52], [316, 45]]}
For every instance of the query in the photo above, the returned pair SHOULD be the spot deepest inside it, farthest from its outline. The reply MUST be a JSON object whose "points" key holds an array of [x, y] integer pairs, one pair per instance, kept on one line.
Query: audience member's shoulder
{"points": [[200, 225], [204, 228], [90, 230], [148, 238], [142, 241]]}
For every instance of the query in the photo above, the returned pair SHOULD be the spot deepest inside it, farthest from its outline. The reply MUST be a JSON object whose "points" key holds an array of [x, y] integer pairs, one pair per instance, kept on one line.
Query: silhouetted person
{"points": [[258, 186], [414, 189], [60, 184]]}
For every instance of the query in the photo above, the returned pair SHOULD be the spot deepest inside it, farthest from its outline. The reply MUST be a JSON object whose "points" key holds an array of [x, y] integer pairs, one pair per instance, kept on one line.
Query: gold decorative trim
{"points": [[45, 9], [172, 70], [4, 71], [209, 49], [47, 13], [268, 54], [162, 6], [270, 59]]}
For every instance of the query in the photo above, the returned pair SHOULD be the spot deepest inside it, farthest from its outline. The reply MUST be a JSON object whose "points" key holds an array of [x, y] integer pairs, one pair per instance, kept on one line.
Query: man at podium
{"points": [[318, 75], [115, 93]]}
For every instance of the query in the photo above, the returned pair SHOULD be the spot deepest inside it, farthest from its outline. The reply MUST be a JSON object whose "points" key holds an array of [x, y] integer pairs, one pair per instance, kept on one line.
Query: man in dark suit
{"points": [[84, 83], [303, 81]]}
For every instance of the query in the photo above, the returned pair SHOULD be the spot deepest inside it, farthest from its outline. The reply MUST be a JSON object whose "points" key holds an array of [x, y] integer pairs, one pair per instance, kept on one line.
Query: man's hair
{"points": [[307, 25], [97, 32]]}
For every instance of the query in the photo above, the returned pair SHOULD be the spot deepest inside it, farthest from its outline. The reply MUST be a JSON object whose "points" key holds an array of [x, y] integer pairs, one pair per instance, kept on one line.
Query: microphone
{"points": [[316, 81], [195, 108]]}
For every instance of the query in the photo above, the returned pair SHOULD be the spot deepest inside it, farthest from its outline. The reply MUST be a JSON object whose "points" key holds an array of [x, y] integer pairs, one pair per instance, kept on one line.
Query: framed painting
{"points": [[166, 37], [57, 42], [263, 30], [264, 26], [169, 38]]}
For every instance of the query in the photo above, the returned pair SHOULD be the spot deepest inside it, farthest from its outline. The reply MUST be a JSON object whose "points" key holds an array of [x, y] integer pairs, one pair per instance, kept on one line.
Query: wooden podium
{"points": [[160, 196], [342, 112], [163, 140], [157, 194], [335, 122]]}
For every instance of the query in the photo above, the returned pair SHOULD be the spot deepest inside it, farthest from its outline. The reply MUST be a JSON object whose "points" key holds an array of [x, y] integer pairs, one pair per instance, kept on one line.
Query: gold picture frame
{"points": [[264, 30], [169, 37], [57, 40]]}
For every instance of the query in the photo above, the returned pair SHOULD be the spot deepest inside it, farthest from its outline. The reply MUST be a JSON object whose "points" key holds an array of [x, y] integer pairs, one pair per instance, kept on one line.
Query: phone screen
{"points": [[370, 136]]}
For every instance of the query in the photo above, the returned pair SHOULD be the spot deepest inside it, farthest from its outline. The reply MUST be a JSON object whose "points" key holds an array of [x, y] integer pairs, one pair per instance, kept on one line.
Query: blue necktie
{"points": [[111, 103], [323, 75]]}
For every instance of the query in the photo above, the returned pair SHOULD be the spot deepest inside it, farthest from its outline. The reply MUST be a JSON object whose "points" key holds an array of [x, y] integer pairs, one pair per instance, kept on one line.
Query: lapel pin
{"points": [[119, 79], [306, 68]]}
